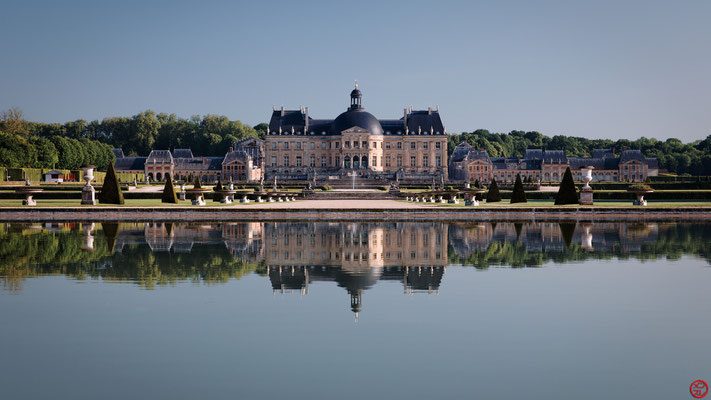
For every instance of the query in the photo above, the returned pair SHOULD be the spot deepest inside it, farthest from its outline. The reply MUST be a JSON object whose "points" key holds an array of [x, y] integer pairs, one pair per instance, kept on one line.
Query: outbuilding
{"points": [[54, 176]]}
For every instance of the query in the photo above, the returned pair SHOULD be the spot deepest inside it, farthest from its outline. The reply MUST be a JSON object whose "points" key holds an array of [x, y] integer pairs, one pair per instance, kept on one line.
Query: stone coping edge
{"points": [[349, 214]]}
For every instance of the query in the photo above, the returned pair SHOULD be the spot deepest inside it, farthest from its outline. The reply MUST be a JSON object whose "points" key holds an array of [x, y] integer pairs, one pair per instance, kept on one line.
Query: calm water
{"points": [[354, 310]]}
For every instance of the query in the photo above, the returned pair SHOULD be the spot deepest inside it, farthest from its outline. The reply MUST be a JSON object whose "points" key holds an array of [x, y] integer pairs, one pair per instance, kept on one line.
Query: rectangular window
{"points": [[387, 161], [413, 161], [375, 161], [274, 145], [413, 145], [399, 161], [323, 145], [399, 145], [338, 161], [286, 161], [425, 161], [312, 161], [338, 144], [298, 161], [286, 145], [313, 145], [274, 164], [426, 145], [298, 145], [323, 162], [438, 145], [387, 145], [364, 145], [356, 145]]}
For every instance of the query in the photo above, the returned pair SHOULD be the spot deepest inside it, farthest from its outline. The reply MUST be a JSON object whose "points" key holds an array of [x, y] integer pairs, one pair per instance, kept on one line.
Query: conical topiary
{"points": [[111, 191], [567, 194], [218, 188], [518, 195], [197, 184], [168, 195], [493, 195]]}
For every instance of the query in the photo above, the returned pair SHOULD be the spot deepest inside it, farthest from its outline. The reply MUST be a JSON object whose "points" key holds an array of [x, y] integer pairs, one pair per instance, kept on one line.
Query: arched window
{"points": [[159, 176], [347, 162], [364, 162], [356, 162], [150, 175]]}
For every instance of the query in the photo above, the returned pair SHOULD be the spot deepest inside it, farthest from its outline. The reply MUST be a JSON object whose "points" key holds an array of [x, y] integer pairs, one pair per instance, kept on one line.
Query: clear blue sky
{"points": [[609, 69]]}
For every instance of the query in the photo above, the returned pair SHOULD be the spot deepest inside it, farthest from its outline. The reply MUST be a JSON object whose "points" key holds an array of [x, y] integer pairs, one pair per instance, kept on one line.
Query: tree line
{"points": [[673, 155], [72, 144], [76, 143]]}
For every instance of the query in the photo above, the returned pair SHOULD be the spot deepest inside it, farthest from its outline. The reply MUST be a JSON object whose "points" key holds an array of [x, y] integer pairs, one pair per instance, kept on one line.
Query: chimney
{"points": [[231, 149], [306, 119], [404, 117], [282, 111], [429, 110]]}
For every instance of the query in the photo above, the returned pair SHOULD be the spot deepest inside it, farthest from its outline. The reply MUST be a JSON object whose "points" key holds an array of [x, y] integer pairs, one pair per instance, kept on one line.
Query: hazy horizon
{"points": [[597, 70]]}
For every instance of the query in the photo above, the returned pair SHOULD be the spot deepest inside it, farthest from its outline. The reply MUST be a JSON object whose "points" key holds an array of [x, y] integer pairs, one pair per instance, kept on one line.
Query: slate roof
{"points": [[130, 163], [477, 155], [652, 163], [555, 156], [183, 153], [603, 153], [533, 154], [460, 152], [199, 163], [118, 153]]}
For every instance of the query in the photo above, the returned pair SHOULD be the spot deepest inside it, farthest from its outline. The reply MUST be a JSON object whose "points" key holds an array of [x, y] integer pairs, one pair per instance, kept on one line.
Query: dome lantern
{"points": [[356, 97]]}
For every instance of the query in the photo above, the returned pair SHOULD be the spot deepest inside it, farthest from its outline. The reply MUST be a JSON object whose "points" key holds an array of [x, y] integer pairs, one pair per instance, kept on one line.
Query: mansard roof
{"points": [[460, 152], [160, 156], [554, 156], [237, 155], [630, 155], [199, 163], [118, 153], [183, 153], [603, 153], [474, 155]]}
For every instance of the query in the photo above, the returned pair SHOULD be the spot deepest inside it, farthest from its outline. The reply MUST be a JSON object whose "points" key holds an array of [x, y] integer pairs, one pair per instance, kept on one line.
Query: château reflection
{"points": [[294, 256]]}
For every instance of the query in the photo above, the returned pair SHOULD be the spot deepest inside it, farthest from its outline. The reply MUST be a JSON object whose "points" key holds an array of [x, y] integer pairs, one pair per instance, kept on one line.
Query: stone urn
{"points": [[471, 200], [28, 192], [88, 194], [196, 195], [586, 192], [640, 192]]}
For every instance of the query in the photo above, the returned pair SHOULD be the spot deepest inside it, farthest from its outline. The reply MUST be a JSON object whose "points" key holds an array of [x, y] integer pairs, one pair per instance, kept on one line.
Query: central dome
{"points": [[356, 116], [359, 118]]}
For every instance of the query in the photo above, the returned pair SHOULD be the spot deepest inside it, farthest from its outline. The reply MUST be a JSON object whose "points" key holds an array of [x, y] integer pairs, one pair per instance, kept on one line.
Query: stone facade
{"points": [[470, 165]]}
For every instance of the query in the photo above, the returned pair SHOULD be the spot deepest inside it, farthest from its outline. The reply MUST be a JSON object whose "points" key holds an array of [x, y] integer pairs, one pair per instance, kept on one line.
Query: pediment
{"points": [[355, 129]]}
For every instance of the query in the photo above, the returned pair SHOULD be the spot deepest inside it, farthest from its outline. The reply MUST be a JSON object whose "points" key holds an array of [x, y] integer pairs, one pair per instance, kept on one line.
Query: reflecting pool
{"points": [[324, 310]]}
